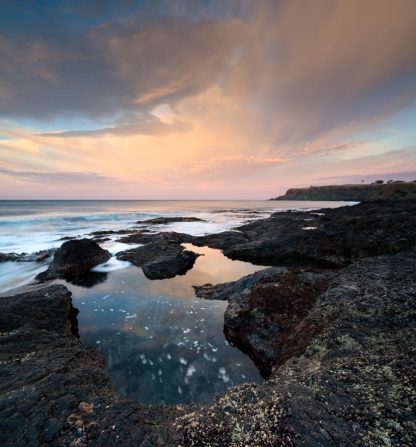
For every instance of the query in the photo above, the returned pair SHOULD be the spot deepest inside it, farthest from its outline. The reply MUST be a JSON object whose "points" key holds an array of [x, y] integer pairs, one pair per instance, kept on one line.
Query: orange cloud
{"points": [[185, 107]]}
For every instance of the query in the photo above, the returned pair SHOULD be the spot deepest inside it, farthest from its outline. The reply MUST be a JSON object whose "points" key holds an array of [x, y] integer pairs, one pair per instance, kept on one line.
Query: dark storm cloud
{"points": [[104, 70], [306, 68]]}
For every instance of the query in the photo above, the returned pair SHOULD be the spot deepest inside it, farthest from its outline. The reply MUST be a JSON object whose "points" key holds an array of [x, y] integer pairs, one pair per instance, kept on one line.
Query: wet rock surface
{"points": [[326, 238], [337, 344], [37, 256], [160, 260], [346, 376], [166, 237], [54, 390], [75, 259], [234, 289], [351, 383], [265, 310], [168, 220]]}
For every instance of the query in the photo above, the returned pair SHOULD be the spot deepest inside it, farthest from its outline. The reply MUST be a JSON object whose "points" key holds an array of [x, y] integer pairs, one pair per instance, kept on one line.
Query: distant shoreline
{"points": [[353, 192]]}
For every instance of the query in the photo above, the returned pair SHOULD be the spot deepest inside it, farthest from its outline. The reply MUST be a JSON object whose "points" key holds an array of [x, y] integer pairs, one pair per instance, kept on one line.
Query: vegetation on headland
{"points": [[354, 192]]}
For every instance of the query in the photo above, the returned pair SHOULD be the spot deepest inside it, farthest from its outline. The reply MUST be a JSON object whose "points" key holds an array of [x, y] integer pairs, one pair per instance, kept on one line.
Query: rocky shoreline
{"points": [[331, 326]]}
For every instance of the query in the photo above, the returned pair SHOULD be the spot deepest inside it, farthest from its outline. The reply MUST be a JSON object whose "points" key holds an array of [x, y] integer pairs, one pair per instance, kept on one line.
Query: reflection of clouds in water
{"points": [[211, 268], [161, 344]]}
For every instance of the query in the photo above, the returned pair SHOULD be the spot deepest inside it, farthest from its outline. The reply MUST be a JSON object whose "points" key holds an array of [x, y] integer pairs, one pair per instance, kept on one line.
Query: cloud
{"points": [[313, 148], [327, 66], [306, 68], [112, 69], [67, 178], [222, 169], [251, 93], [128, 125], [370, 177]]}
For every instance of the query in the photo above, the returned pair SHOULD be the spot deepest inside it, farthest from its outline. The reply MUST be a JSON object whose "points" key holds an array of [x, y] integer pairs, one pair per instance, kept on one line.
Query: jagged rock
{"points": [[347, 376], [221, 240], [100, 233], [234, 289], [168, 220], [38, 256], [263, 310], [165, 237], [327, 238], [350, 380], [75, 259], [54, 390], [160, 260], [339, 346], [5, 257]]}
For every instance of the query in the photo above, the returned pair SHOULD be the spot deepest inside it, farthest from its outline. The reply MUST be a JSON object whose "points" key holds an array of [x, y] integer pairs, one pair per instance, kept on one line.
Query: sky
{"points": [[209, 99]]}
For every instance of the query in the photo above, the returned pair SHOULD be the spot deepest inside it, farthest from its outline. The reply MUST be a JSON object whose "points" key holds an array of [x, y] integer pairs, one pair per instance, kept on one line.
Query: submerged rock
{"points": [[160, 260], [75, 259]]}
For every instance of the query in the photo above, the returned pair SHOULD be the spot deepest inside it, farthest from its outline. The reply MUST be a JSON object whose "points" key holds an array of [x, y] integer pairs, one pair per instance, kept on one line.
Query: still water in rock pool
{"points": [[163, 345]]}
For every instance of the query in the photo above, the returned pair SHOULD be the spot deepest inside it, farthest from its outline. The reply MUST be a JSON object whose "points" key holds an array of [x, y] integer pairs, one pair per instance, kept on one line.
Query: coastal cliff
{"points": [[353, 193]]}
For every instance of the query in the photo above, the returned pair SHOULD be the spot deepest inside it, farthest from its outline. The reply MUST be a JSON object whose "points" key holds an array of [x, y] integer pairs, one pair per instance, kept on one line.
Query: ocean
{"points": [[162, 345]]}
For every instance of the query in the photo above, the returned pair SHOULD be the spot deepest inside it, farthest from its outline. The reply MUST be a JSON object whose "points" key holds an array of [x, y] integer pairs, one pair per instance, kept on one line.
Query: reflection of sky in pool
{"points": [[161, 344]]}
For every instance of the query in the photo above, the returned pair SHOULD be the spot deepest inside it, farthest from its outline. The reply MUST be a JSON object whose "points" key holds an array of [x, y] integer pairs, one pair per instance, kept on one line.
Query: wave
{"points": [[113, 217]]}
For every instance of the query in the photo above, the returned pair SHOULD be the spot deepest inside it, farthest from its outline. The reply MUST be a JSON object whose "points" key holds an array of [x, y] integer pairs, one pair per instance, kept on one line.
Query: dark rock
{"points": [[234, 289], [108, 232], [38, 256], [346, 376], [168, 220], [100, 240], [5, 257], [353, 193], [165, 237], [328, 238], [160, 260], [221, 240], [54, 390], [30, 307], [338, 346], [264, 309], [75, 259]]}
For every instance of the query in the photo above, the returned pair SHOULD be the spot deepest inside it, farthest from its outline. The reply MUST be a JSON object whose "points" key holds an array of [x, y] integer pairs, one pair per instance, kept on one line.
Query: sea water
{"points": [[162, 345]]}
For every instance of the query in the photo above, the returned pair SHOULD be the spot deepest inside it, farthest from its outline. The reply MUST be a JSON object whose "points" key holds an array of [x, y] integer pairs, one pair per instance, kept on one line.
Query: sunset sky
{"points": [[204, 99]]}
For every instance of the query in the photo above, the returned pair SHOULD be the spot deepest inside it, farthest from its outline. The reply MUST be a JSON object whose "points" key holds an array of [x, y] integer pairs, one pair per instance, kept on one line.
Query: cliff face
{"points": [[352, 193]]}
